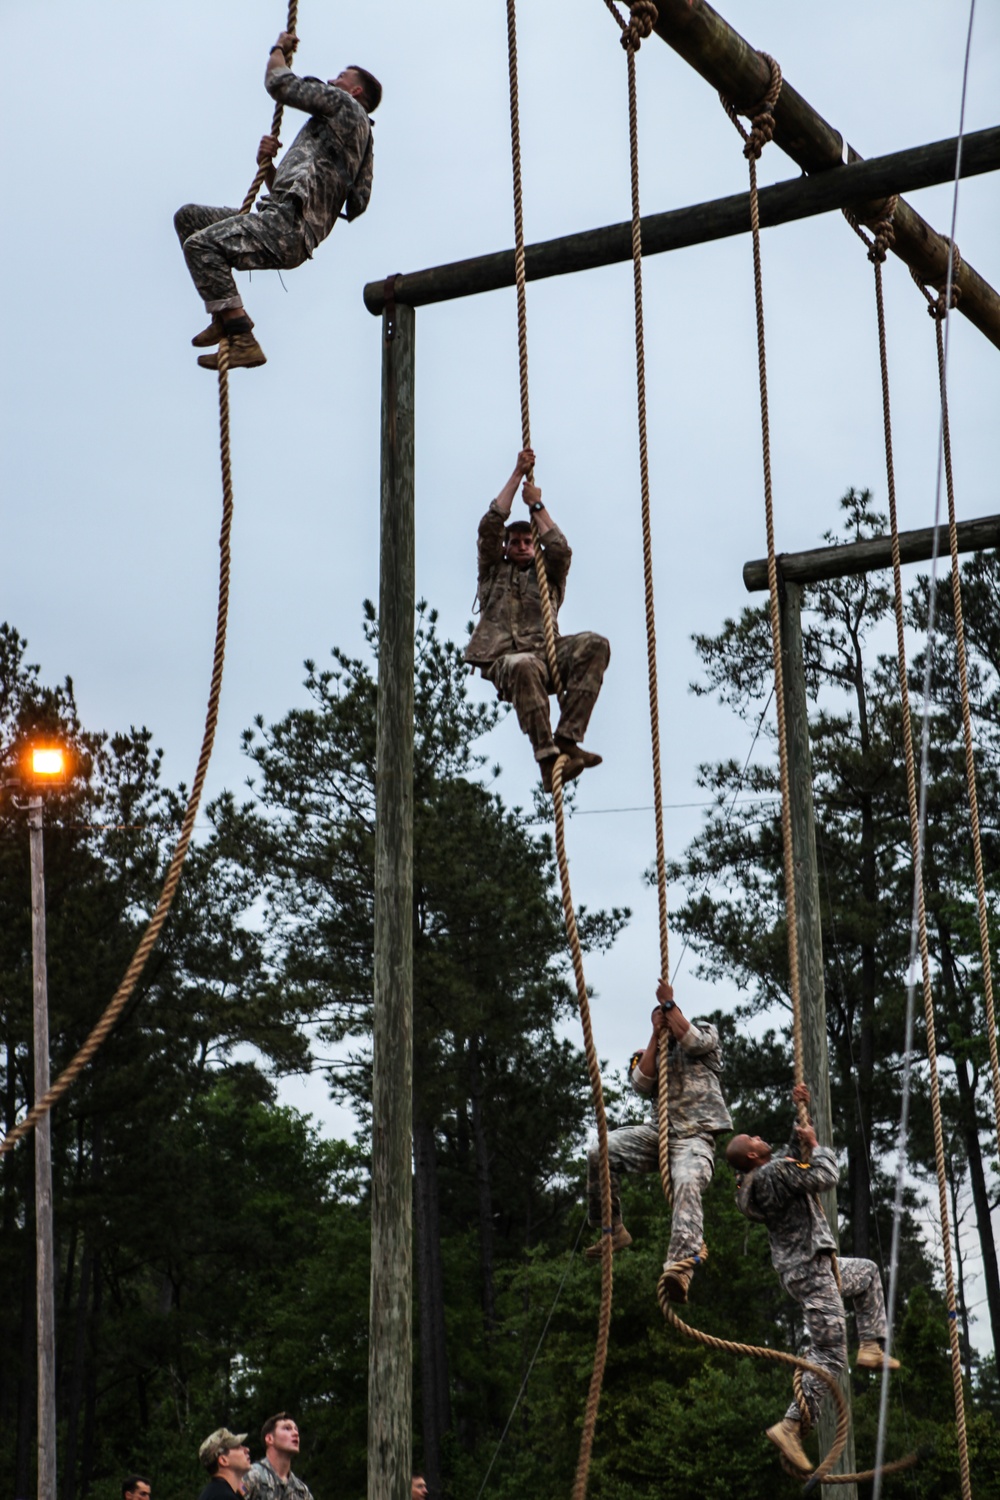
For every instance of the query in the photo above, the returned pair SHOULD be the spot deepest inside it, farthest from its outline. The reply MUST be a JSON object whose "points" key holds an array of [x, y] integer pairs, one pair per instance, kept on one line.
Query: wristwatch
{"points": [[536, 507]]}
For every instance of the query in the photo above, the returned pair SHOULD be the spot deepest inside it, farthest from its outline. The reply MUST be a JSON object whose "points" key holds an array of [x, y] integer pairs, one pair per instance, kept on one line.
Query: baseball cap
{"points": [[219, 1441]]}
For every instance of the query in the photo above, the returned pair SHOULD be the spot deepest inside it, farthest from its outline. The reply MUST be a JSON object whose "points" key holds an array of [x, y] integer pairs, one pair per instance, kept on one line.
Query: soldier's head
{"points": [[519, 544], [280, 1434], [136, 1487], [225, 1453], [360, 84], [745, 1152]]}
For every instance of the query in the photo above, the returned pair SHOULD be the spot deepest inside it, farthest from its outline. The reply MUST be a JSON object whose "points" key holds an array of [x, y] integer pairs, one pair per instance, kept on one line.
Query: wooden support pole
{"points": [[784, 202], [732, 66], [45, 1301], [809, 933], [854, 558], [390, 1360]]}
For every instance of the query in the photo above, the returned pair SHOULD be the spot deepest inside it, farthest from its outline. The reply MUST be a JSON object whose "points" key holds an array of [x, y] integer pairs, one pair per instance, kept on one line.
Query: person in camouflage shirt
{"points": [[508, 644], [696, 1114], [271, 1477], [327, 166], [783, 1193]]}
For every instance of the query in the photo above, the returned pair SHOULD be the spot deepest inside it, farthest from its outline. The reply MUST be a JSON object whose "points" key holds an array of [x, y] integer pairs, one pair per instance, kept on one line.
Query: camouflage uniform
{"points": [[328, 165], [262, 1483], [508, 644], [696, 1113], [783, 1194]]}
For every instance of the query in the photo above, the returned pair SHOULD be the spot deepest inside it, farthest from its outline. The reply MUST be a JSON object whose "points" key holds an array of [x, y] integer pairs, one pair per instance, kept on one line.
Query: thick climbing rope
{"points": [[756, 138], [877, 251], [939, 312], [569, 914], [125, 990], [642, 19]]}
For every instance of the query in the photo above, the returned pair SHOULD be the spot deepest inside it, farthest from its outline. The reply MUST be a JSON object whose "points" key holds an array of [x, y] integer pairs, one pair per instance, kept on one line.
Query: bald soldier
{"points": [[508, 644], [696, 1114], [783, 1193]]}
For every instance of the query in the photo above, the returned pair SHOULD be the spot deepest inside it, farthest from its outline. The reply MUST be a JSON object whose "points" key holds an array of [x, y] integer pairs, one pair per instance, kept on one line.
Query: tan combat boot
{"points": [[590, 758], [871, 1356], [213, 333], [571, 767], [619, 1241], [244, 354], [786, 1435]]}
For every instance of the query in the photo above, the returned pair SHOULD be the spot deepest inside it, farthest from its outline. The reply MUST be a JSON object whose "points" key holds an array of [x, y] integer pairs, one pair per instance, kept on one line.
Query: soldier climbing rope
{"points": [[125, 990]]}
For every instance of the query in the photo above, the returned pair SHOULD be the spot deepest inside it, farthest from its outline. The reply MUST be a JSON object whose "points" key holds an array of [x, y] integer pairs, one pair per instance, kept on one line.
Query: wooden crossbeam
{"points": [[732, 66], [823, 563], [799, 198]]}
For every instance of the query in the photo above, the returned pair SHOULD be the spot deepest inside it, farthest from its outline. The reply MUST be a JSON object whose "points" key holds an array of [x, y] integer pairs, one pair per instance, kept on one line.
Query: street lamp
{"points": [[44, 766]]}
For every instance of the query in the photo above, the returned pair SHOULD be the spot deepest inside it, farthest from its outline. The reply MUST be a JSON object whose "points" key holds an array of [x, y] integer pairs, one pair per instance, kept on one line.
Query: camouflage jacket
{"points": [[510, 606], [329, 163], [784, 1195], [695, 1105], [262, 1483]]}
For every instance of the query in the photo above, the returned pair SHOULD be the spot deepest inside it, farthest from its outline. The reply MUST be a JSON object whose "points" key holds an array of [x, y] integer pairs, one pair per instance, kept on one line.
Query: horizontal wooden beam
{"points": [[867, 557], [799, 198], [728, 62]]}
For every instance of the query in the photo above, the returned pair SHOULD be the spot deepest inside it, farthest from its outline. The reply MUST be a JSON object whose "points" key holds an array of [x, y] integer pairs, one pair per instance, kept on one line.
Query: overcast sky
{"points": [[112, 493]]}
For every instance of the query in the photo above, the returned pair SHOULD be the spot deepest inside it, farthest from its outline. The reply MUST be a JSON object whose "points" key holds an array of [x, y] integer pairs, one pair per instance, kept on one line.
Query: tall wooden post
{"points": [[810, 940], [44, 1265], [390, 1378]]}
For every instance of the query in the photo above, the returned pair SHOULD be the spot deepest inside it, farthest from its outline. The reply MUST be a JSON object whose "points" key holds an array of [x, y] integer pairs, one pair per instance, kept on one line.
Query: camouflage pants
{"points": [[815, 1289], [636, 1148], [523, 678], [217, 241]]}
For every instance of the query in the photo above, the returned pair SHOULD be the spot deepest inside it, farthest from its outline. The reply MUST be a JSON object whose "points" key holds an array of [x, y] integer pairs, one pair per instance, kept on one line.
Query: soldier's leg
{"points": [[692, 1163], [815, 1289], [522, 678], [633, 1148], [270, 240], [862, 1290], [583, 660], [194, 216]]}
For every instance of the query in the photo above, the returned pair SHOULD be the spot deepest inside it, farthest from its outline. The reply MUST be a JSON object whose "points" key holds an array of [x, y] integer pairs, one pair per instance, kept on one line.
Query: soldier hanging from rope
{"points": [[508, 644], [327, 166], [696, 1114], [783, 1193]]}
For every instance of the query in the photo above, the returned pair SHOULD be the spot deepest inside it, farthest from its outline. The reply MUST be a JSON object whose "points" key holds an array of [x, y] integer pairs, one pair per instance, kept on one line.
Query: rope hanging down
{"points": [[124, 992], [569, 915], [760, 133], [635, 30], [939, 312], [877, 251]]}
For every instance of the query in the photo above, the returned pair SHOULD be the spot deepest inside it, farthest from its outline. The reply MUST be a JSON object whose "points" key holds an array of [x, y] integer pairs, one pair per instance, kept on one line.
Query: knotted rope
{"points": [[642, 18], [877, 256], [569, 915], [755, 139], [124, 992]]}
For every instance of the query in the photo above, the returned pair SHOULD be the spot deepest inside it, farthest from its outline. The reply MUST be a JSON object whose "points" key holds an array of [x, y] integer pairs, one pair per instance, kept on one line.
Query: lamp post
{"points": [[45, 767]]}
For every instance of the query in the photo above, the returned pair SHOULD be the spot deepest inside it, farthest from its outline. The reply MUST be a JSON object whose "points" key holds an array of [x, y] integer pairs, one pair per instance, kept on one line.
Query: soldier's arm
{"points": [[805, 1178], [557, 550], [360, 191], [311, 95]]}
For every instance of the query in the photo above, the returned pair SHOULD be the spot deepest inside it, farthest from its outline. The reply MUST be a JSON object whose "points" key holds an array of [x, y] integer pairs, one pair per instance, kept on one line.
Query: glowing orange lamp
{"points": [[47, 765]]}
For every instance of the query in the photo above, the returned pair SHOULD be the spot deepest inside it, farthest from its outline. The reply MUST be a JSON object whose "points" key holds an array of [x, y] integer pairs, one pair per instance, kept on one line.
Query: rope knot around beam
{"points": [[936, 305], [761, 115], [642, 18], [885, 232]]}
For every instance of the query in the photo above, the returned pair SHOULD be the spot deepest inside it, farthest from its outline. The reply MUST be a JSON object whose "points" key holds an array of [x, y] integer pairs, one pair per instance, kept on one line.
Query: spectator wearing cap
{"points": [[271, 1477], [227, 1458]]}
